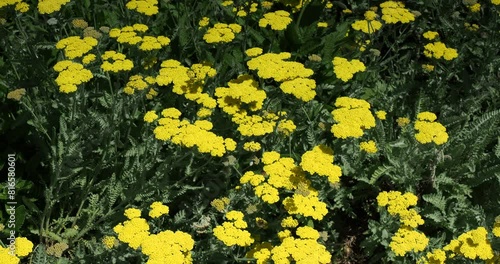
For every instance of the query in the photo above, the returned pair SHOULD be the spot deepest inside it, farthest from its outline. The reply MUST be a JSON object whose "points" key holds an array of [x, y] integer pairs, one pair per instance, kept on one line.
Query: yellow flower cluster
{"points": [[345, 69], [220, 204], [190, 135], [368, 25], [243, 90], [430, 35], [252, 146], [475, 7], [233, 232], [89, 58], [427, 67], [273, 66], [322, 24], [394, 12], [132, 213], [204, 21], [280, 172], [269, 4], [362, 46], [158, 209], [109, 242], [286, 127], [150, 116], [164, 247], [120, 62], [306, 205], [256, 125], [153, 43], [23, 247], [70, 75], [353, 115], [204, 112], [495, 2], [283, 173], [75, 47], [370, 14], [168, 247], [252, 178], [407, 239], [261, 252], [20, 6], [187, 81], [50, 6], [471, 27], [221, 32], [6, 256], [240, 11], [307, 232], [304, 249], [16, 94], [146, 7], [439, 50], [267, 193], [496, 227], [381, 114], [368, 146], [79, 23], [293, 75], [402, 121], [129, 35], [437, 256], [320, 160], [295, 4], [301, 88], [430, 131], [133, 231], [289, 222], [473, 244], [397, 204], [139, 83], [278, 20], [253, 52]]}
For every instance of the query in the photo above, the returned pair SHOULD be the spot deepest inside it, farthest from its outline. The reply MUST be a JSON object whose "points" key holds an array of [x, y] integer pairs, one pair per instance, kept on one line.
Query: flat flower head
{"points": [[158, 209], [253, 52], [345, 69], [368, 146], [430, 35], [381, 115], [23, 246], [132, 213], [150, 116], [278, 20]]}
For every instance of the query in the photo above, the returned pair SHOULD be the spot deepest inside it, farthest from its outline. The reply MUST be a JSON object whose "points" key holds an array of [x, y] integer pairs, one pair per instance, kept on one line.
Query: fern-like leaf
{"points": [[39, 255], [484, 176], [180, 217], [479, 125], [437, 200], [379, 172], [311, 136]]}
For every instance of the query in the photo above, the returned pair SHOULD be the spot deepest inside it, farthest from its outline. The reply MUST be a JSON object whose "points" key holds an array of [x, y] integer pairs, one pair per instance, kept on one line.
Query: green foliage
{"points": [[83, 158]]}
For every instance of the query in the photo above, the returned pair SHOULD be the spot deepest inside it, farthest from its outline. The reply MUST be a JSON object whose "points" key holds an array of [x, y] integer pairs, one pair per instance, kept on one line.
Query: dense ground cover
{"points": [[250, 131]]}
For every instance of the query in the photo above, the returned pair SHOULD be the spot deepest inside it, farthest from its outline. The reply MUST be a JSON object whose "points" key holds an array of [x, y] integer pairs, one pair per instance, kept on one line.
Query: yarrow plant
{"points": [[278, 131]]}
